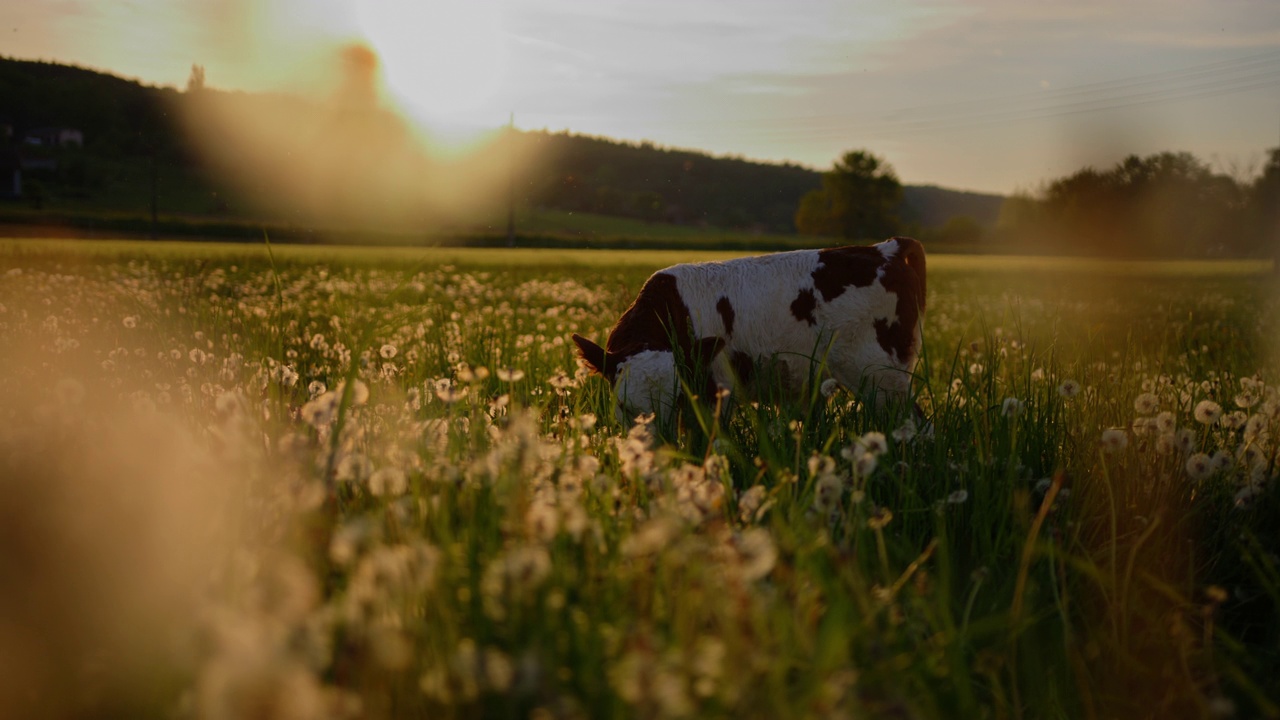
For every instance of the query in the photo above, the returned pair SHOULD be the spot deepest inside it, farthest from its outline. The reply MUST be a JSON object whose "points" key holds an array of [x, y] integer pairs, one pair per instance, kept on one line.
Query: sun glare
{"points": [[442, 60]]}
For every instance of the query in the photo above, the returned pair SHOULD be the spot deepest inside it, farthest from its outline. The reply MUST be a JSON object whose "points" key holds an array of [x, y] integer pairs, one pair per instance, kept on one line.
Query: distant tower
{"points": [[511, 181]]}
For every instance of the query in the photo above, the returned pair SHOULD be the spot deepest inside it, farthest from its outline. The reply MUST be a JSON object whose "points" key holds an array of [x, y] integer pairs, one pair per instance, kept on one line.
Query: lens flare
{"points": [[354, 156]]}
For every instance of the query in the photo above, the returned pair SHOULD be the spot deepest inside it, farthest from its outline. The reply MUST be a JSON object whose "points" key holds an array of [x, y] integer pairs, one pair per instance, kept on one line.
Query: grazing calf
{"points": [[853, 311]]}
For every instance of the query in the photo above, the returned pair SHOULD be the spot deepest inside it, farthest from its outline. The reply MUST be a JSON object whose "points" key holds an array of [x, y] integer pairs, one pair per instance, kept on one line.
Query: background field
{"points": [[351, 481]]}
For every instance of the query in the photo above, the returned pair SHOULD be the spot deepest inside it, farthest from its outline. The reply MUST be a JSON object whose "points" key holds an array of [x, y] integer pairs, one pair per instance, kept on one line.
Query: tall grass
{"points": [[385, 488]]}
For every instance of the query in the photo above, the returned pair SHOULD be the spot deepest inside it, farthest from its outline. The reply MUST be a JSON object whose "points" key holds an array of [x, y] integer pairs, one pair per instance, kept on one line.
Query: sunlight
{"points": [[442, 61]]}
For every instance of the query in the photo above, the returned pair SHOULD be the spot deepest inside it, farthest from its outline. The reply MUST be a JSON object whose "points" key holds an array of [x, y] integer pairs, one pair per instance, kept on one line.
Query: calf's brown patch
{"points": [[656, 317], [803, 306], [844, 267], [904, 276], [725, 308]]}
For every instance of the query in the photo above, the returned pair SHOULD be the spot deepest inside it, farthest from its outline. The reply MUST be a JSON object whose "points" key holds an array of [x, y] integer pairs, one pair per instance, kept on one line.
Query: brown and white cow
{"points": [[854, 312]]}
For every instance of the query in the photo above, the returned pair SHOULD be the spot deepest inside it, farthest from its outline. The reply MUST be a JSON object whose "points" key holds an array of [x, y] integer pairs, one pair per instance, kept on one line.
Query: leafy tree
{"points": [[1163, 204], [1264, 205], [858, 200], [960, 230]]}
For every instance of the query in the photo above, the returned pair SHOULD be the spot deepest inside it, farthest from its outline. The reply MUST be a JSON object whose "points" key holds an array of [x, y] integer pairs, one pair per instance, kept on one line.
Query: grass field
{"points": [[359, 482]]}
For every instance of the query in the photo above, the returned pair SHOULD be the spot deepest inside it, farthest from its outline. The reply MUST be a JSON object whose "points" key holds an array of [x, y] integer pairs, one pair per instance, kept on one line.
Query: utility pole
{"points": [[511, 181]]}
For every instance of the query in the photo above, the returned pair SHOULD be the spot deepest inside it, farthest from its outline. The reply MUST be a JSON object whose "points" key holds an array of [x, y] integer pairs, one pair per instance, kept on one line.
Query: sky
{"points": [[987, 95]]}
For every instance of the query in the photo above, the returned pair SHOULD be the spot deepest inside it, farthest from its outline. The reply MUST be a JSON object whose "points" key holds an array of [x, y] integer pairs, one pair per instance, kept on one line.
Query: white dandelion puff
{"points": [[510, 375], [1146, 404], [873, 442], [757, 553], [1114, 440], [866, 464], [1208, 412], [907, 432], [1199, 466], [1011, 407]]}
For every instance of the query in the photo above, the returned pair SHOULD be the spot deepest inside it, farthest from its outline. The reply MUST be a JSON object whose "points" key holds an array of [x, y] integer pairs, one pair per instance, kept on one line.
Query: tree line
{"points": [[1166, 204], [1169, 204]]}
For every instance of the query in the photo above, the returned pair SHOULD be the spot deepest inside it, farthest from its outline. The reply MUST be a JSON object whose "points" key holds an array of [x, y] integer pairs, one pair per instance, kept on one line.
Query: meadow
{"points": [[294, 482]]}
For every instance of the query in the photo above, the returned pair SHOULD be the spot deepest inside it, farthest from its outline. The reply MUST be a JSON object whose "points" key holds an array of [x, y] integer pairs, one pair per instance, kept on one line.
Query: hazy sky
{"points": [[989, 95]]}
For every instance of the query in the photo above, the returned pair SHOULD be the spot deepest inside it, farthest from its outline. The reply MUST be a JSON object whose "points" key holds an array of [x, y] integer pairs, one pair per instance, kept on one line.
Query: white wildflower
{"points": [[826, 493], [866, 464], [1208, 412], [1114, 440], [1199, 466], [906, 432], [756, 552], [510, 375], [1011, 407], [1146, 404]]}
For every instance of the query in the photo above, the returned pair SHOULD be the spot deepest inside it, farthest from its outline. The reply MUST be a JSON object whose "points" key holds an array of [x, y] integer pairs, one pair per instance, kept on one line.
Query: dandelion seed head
{"points": [[1208, 412], [906, 432], [866, 464], [1114, 440], [1011, 407], [1185, 439], [756, 552], [873, 442], [1199, 466], [821, 465], [510, 375], [1146, 404], [826, 493]]}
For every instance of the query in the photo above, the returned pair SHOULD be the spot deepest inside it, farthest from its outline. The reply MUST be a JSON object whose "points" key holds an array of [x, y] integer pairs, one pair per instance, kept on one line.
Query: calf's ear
{"points": [[591, 352]]}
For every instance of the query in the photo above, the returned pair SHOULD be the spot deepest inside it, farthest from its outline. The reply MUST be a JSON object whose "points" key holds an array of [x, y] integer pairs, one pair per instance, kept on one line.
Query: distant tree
{"points": [[1163, 204], [649, 205], [1264, 205], [960, 230], [195, 81], [858, 200], [1019, 211]]}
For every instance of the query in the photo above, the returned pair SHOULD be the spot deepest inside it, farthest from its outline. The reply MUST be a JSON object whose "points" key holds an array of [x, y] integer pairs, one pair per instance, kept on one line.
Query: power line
{"points": [[998, 116], [1212, 79]]}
